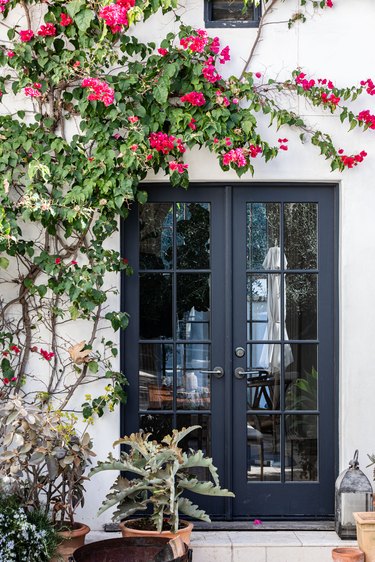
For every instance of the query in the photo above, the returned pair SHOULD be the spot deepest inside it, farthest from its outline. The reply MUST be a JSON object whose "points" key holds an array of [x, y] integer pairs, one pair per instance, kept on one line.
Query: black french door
{"points": [[232, 307]]}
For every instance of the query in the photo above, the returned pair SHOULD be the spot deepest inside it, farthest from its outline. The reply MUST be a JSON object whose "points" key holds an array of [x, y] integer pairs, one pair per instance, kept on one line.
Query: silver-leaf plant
{"points": [[163, 474]]}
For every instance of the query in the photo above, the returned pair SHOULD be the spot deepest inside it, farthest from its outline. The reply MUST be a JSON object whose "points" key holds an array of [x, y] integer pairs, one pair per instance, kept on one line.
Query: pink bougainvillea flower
{"points": [[195, 98], [215, 45], [369, 85], [57, 261], [301, 80], [224, 55], [351, 161], [76, 64], [367, 118], [257, 522], [149, 157], [165, 143], [6, 380], [228, 142], [192, 124], [329, 4], [209, 71], [162, 52], [235, 101], [133, 118], [99, 90], [47, 30], [178, 167], [46, 355], [15, 348], [216, 140], [73, 262], [258, 74], [195, 43], [3, 3], [32, 92], [65, 20], [115, 16], [134, 147], [5, 353], [10, 54], [13, 379], [125, 261], [26, 35]]}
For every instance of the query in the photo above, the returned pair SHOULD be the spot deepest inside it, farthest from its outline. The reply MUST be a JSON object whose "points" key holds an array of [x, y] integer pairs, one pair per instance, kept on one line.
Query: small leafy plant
{"points": [[44, 459], [25, 536], [163, 474]]}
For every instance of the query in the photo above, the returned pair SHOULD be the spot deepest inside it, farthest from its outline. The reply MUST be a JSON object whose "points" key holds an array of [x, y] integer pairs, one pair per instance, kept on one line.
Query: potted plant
{"points": [[162, 475], [25, 534], [46, 458]]}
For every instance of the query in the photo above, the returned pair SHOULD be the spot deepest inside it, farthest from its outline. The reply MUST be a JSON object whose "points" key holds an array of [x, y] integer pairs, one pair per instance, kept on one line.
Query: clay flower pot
{"points": [[366, 533], [348, 555], [72, 539], [129, 530]]}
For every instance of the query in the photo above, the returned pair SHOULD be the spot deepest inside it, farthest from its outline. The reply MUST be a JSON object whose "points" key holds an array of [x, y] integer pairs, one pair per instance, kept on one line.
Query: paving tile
{"points": [[212, 553], [210, 538], [301, 554], [249, 554], [322, 538], [264, 538]]}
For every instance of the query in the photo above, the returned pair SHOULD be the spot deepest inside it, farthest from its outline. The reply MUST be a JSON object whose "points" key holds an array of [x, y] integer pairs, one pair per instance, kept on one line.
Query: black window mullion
{"points": [[174, 312]]}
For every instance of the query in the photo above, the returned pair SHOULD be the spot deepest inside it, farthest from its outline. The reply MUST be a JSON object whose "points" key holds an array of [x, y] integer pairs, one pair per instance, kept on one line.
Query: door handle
{"points": [[240, 373], [217, 372]]}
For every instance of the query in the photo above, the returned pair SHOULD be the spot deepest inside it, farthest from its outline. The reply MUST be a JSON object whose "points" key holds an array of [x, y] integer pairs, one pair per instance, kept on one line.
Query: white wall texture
{"points": [[336, 43]]}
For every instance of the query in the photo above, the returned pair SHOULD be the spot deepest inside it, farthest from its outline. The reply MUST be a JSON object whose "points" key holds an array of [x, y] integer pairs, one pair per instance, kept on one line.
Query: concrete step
{"points": [[256, 546]]}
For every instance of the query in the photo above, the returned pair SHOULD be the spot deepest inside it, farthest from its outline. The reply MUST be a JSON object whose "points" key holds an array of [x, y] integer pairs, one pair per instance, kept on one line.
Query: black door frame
{"points": [[130, 411]]}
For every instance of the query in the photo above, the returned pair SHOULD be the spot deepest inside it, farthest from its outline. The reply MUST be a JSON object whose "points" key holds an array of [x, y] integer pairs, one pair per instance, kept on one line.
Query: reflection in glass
{"points": [[193, 386], [193, 305], [263, 232], [301, 379], [260, 325], [198, 439], [226, 10], [155, 305], [155, 235], [301, 447], [301, 235], [159, 425], [263, 448], [155, 376], [193, 235], [263, 386], [301, 306]]}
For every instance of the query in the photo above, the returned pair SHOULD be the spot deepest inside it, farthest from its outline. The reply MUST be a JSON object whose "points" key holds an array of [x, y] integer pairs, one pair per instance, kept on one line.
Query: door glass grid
{"points": [[175, 318], [282, 346]]}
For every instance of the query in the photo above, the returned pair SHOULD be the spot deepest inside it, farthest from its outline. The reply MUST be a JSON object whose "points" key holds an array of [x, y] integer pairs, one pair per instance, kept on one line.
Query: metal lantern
{"points": [[353, 492]]}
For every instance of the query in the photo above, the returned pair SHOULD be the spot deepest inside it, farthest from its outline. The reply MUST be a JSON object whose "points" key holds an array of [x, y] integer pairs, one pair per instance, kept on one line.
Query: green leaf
{"points": [[83, 19], [74, 7], [4, 263], [93, 366]]}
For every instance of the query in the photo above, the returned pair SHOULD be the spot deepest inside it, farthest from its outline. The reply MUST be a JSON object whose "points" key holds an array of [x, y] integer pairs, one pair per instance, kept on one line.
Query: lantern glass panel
{"points": [[351, 502]]}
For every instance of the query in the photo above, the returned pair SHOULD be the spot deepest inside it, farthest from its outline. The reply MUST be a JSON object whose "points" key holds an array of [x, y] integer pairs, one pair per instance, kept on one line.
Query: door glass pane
{"points": [[301, 306], [193, 306], [301, 444], [198, 439], [155, 376], [224, 10], [263, 233], [263, 383], [193, 235], [193, 386], [155, 235], [301, 378], [263, 448], [159, 425], [263, 307], [301, 235], [155, 304]]}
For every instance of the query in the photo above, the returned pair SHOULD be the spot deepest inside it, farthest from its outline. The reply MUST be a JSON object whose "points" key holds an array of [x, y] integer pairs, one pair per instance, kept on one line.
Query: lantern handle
{"points": [[354, 462]]}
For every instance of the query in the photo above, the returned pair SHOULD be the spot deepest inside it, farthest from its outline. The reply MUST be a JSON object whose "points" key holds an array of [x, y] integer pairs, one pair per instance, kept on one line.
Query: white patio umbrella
{"points": [[271, 353]]}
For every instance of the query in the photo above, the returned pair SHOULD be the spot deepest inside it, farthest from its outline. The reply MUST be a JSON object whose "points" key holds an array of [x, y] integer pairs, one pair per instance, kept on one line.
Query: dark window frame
{"points": [[210, 23]]}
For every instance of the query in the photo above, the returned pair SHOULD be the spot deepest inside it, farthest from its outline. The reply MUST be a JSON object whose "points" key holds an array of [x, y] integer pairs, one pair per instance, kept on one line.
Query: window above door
{"points": [[230, 13]]}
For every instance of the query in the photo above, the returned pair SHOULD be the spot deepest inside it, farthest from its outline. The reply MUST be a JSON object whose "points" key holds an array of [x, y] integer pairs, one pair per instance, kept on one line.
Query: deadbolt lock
{"points": [[240, 352]]}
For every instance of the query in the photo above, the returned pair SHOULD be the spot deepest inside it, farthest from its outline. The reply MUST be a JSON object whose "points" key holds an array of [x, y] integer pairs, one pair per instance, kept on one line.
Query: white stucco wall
{"points": [[337, 44]]}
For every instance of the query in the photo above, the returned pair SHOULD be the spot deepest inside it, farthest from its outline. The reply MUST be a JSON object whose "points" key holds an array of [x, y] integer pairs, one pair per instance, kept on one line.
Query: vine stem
{"points": [[262, 23], [27, 13]]}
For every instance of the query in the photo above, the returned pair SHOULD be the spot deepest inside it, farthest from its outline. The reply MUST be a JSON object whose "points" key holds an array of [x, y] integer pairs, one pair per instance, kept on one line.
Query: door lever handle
{"points": [[240, 373], [218, 372]]}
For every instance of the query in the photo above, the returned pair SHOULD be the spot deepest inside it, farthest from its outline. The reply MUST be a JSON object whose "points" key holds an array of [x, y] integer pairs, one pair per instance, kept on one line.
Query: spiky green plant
{"points": [[163, 474]]}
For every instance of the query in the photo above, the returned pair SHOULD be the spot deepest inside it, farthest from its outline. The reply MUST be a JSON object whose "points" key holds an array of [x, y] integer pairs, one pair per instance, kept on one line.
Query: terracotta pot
{"points": [[365, 522], [348, 555], [72, 540], [131, 532]]}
